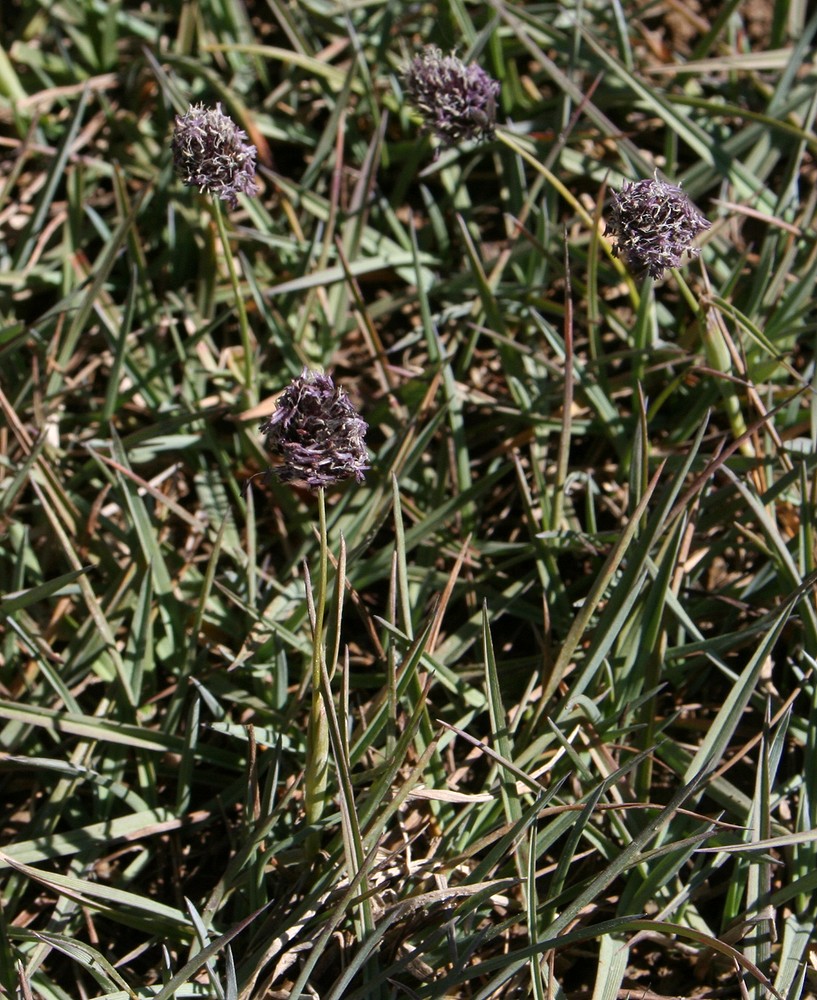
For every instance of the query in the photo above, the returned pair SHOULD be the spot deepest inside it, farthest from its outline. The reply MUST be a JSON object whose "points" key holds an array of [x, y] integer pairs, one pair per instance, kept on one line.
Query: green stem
{"points": [[320, 604], [243, 322], [316, 777]]}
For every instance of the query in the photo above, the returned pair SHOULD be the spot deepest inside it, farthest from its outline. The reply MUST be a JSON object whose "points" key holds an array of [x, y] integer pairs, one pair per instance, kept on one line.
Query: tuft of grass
{"points": [[570, 729]]}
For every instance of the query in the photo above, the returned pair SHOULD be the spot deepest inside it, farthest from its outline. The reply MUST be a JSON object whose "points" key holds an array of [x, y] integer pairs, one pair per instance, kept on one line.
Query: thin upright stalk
{"points": [[243, 322], [317, 748]]}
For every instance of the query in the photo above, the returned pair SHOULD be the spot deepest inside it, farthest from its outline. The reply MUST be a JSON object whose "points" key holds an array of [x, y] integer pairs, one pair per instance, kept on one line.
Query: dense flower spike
{"points": [[211, 152], [457, 102], [317, 432], [653, 223]]}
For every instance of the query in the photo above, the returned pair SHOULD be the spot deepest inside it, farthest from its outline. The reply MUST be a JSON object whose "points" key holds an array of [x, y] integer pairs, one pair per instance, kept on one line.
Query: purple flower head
{"points": [[653, 223], [317, 432], [211, 152], [457, 102]]}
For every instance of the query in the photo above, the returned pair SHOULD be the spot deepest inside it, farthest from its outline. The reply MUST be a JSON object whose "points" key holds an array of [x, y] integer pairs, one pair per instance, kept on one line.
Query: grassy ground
{"points": [[571, 630]]}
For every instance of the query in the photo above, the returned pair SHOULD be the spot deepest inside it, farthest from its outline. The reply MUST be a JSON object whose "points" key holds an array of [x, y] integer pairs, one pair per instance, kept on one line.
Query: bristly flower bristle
{"points": [[211, 152], [457, 102], [653, 223], [317, 432]]}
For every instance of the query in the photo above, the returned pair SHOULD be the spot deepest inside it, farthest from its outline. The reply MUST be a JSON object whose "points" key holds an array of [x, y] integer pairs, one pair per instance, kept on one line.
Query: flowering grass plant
{"points": [[653, 224], [457, 102], [493, 678], [320, 438], [317, 433], [211, 153]]}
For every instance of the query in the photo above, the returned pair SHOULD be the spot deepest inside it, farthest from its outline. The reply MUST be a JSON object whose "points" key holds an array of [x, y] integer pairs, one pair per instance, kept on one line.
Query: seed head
{"points": [[211, 152], [653, 223], [318, 433], [457, 102]]}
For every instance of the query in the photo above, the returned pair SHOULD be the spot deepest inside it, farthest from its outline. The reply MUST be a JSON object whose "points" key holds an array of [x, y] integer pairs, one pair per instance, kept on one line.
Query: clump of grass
{"points": [[567, 745]]}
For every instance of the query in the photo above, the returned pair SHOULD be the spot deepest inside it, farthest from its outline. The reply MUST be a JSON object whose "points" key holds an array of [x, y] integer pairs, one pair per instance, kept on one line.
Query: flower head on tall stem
{"points": [[653, 223], [211, 152], [457, 101], [321, 439], [317, 432]]}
